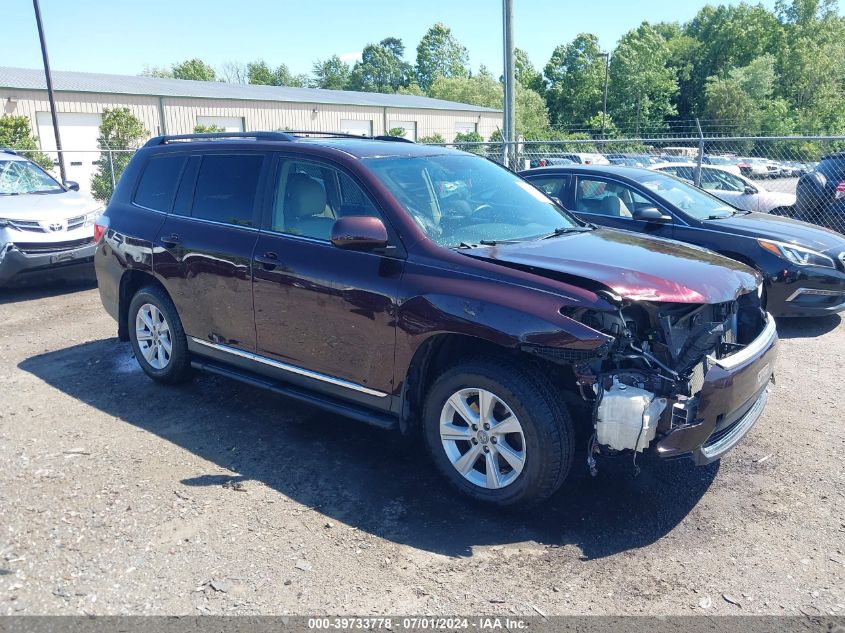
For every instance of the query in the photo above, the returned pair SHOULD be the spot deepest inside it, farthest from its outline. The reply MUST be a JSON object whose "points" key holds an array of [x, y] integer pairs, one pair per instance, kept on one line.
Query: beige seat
{"points": [[612, 205], [305, 203]]}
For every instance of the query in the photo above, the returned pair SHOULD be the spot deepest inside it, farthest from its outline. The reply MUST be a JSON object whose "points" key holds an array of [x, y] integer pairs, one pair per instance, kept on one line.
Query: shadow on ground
{"points": [[45, 290], [367, 478], [807, 327]]}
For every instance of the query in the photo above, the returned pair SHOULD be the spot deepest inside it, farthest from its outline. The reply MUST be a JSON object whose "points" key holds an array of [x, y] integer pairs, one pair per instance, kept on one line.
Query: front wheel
{"points": [[498, 433], [157, 337]]}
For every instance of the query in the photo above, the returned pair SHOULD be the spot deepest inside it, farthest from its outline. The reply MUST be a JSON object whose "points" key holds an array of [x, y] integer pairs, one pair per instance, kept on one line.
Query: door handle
{"points": [[268, 260], [171, 240]]}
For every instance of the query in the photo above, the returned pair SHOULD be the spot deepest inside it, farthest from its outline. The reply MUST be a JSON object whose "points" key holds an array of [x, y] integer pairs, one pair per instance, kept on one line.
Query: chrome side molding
{"points": [[293, 369]]}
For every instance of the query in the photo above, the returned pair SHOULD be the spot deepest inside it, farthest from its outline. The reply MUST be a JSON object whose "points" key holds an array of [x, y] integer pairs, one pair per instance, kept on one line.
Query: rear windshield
{"points": [[691, 200], [22, 177]]}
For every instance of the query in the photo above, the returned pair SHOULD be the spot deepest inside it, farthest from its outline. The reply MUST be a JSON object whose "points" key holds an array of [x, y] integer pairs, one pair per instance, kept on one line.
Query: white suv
{"points": [[46, 228]]}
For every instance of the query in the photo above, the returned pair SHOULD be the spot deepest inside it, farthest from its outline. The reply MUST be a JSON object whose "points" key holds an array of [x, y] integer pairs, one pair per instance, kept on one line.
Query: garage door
{"points": [[358, 128], [227, 123], [79, 141]]}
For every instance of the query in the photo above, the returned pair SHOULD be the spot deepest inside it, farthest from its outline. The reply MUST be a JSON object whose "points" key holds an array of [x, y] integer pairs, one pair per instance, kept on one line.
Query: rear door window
{"points": [[226, 188], [157, 187]]}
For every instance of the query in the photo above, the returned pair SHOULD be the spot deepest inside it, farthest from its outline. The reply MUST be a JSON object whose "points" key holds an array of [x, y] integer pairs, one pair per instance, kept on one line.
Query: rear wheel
{"points": [[498, 433], [157, 337]]}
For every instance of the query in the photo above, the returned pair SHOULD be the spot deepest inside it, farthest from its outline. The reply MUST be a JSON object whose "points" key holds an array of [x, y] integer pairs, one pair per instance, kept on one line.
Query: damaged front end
{"points": [[681, 379]]}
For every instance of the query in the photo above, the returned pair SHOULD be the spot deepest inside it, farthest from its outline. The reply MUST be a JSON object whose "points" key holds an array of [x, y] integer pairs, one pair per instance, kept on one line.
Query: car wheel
{"points": [[498, 433], [786, 212], [157, 337]]}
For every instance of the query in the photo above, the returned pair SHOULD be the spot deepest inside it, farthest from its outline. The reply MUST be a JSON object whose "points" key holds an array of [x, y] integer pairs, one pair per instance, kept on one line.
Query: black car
{"points": [[820, 197], [803, 265]]}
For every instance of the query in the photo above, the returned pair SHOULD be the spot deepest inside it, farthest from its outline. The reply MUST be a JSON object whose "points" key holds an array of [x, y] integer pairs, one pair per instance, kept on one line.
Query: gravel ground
{"points": [[118, 496]]}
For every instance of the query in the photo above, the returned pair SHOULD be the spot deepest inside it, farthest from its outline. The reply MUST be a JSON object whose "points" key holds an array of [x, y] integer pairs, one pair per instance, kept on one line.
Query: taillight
{"points": [[840, 191], [100, 226]]}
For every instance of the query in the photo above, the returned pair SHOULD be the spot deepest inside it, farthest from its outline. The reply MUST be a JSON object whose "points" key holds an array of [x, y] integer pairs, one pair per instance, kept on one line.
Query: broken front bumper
{"points": [[731, 400]]}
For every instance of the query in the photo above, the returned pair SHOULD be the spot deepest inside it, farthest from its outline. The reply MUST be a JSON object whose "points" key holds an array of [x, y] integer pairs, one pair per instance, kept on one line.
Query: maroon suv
{"points": [[429, 290]]}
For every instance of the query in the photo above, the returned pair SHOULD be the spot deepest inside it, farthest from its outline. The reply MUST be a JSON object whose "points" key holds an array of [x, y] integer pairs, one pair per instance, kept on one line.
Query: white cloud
{"points": [[353, 56]]}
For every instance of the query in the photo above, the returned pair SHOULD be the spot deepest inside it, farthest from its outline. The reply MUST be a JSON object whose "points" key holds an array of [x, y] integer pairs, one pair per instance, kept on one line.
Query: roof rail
{"points": [[8, 150], [258, 136], [307, 133]]}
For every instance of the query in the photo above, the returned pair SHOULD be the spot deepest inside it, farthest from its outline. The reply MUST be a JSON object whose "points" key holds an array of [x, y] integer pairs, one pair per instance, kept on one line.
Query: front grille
{"points": [[75, 223], [27, 225], [40, 248]]}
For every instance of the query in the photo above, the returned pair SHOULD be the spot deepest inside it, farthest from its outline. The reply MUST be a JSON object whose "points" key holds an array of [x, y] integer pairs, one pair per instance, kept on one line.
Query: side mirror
{"points": [[749, 190], [72, 185], [359, 232], [651, 214]]}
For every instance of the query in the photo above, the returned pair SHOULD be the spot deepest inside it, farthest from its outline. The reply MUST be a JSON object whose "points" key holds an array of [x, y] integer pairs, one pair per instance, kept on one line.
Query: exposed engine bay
{"points": [[647, 381]]}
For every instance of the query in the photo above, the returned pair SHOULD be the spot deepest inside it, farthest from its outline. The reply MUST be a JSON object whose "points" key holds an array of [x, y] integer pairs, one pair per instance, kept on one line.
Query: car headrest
{"points": [[305, 196]]}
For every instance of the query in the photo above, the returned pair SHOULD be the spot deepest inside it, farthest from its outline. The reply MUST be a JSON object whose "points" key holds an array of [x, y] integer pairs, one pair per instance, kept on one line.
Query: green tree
{"points": [[412, 88], [259, 73], [195, 69], [729, 37], [575, 80], [642, 85], [207, 129], [440, 54], [331, 74], [16, 134], [525, 73], [381, 68], [119, 130], [470, 137], [482, 89]]}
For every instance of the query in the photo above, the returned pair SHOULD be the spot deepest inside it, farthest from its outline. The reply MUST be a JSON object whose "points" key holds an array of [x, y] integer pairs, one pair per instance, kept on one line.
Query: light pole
{"points": [[510, 132], [50, 90], [604, 102]]}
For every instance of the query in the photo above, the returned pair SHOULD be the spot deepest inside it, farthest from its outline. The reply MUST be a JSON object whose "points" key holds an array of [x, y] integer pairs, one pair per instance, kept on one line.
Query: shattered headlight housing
{"points": [[797, 254]]}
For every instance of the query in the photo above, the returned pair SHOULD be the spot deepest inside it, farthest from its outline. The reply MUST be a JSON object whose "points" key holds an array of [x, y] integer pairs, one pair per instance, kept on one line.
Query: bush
{"points": [[470, 137], [16, 134], [119, 130], [207, 129], [434, 139]]}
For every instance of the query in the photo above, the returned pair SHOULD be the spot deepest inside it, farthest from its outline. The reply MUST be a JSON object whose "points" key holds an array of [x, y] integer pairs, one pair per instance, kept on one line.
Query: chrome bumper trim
{"points": [[753, 349], [741, 428]]}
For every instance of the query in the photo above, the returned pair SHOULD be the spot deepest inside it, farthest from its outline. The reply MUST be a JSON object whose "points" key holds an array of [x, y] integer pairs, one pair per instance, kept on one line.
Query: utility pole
{"points": [[509, 76], [50, 91], [604, 103]]}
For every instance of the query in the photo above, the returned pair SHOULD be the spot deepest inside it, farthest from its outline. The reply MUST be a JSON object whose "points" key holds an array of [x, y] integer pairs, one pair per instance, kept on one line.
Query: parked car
{"points": [[547, 161], [803, 265], [417, 287], [46, 228], [728, 163], [737, 191], [585, 158], [757, 168], [821, 193], [633, 160]]}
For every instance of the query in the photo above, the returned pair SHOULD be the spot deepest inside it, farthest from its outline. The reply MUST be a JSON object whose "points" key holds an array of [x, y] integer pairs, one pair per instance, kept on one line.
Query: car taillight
{"points": [[840, 191], [100, 226]]}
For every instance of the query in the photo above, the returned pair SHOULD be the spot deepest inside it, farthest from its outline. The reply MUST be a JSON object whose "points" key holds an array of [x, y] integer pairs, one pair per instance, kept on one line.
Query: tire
{"points": [[545, 439], [786, 212], [169, 366]]}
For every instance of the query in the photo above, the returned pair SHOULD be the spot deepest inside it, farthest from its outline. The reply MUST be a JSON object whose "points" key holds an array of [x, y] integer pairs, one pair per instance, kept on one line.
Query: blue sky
{"points": [[119, 36]]}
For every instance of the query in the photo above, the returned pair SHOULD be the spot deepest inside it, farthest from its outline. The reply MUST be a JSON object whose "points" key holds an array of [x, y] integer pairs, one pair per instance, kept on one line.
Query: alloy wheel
{"points": [[483, 438], [153, 335]]}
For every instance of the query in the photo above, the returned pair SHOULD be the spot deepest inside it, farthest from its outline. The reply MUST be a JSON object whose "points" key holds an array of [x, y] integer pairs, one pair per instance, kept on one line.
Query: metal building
{"points": [[174, 106]]}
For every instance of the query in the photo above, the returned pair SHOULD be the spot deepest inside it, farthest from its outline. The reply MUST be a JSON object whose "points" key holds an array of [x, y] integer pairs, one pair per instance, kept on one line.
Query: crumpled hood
{"points": [[46, 207], [632, 266], [776, 227]]}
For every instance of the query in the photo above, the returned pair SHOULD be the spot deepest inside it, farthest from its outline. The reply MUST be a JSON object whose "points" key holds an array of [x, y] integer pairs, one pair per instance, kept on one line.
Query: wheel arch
{"points": [[130, 282]]}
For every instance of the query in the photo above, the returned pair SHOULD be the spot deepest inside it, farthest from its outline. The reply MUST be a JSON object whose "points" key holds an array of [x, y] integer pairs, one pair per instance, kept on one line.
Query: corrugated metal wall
{"points": [[180, 115]]}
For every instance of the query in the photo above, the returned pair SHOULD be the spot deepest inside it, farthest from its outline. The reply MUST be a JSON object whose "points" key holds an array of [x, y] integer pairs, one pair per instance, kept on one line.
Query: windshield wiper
{"points": [[564, 230]]}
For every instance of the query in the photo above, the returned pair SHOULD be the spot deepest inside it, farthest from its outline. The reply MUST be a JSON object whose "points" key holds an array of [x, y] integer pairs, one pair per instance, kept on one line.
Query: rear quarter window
{"points": [[226, 187], [159, 180]]}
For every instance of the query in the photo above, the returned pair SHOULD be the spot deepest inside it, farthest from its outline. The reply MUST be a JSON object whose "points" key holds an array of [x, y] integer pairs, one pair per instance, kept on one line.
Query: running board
{"points": [[345, 409]]}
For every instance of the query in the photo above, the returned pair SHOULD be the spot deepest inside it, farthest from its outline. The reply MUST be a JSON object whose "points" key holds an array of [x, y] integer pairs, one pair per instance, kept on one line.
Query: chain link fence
{"points": [[767, 174]]}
